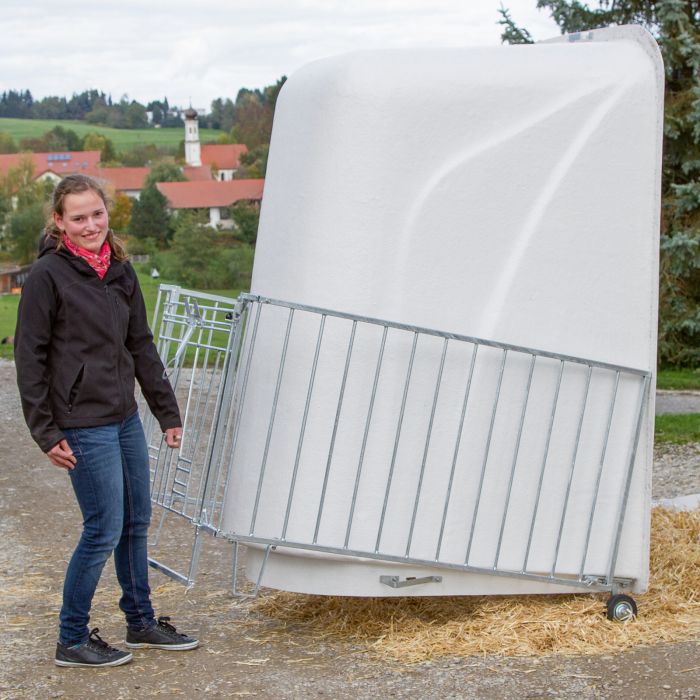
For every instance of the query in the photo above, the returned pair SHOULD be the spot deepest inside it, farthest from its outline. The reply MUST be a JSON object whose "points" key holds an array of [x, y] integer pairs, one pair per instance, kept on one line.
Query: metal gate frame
{"points": [[194, 315]]}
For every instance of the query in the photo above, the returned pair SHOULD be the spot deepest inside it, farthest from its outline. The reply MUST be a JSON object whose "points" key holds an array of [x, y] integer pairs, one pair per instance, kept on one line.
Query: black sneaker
{"points": [[94, 652], [161, 636]]}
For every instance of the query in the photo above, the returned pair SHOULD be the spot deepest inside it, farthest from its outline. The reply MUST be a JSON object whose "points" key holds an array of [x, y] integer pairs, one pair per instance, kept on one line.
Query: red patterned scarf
{"points": [[99, 262]]}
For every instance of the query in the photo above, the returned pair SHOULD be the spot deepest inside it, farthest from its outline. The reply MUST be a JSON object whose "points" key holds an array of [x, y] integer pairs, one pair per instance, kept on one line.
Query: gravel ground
{"points": [[243, 655]]}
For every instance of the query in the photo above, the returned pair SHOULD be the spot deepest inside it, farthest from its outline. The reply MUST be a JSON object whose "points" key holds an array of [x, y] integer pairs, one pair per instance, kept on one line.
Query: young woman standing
{"points": [[82, 340]]}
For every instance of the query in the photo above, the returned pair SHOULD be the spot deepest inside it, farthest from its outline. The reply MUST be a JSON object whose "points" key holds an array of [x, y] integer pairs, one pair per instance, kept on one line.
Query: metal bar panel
{"points": [[455, 454], [427, 446], [396, 440], [271, 425], [486, 456], [515, 461], [239, 409], [303, 426], [366, 433], [571, 468], [543, 465], [599, 474], [191, 485], [643, 398], [335, 431]]}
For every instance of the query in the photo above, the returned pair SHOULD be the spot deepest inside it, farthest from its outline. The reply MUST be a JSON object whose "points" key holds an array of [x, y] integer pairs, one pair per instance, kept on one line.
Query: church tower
{"points": [[193, 155]]}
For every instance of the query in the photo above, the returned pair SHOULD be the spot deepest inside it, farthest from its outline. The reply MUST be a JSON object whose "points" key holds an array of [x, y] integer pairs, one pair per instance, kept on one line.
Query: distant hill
{"points": [[123, 139]]}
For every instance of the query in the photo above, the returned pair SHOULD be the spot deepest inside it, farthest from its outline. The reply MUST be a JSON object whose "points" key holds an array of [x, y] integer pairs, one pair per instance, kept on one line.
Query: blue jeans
{"points": [[111, 483]]}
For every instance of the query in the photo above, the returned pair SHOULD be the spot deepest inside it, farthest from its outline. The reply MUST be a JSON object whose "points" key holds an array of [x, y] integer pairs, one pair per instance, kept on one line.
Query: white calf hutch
{"points": [[441, 381]]}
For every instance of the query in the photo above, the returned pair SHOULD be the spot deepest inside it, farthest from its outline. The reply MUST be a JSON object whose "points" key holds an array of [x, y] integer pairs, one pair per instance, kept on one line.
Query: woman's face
{"points": [[85, 220]]}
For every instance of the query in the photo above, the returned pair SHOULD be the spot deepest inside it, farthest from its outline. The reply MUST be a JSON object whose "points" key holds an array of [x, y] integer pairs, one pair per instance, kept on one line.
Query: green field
{"points": [[679, 379], [123, 139], [678, 428]]}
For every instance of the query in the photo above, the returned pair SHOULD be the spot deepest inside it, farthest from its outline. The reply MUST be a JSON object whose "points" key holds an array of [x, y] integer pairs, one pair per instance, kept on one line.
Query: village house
{"points": [[215, 196], [53, 166]]}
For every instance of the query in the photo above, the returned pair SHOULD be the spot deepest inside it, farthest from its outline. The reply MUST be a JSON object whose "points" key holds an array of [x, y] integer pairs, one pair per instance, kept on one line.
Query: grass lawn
{"points": [[123, 139], [679, 379], [678, 429], [8, 317]]}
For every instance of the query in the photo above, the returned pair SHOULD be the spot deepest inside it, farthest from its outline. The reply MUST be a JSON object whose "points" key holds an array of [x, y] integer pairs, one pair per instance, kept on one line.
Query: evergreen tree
{"points": [[676, 26], [150, 217], [164, 172]]}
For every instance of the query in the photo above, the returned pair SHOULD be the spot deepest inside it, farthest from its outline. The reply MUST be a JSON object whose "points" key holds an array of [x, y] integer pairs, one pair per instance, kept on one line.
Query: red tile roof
{"points": [[61, 162], [197, 172], [225, 156], [124, 178], [201, 195]]}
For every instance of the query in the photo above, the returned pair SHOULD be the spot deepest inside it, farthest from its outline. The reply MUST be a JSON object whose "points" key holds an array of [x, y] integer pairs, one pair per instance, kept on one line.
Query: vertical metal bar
{"points": [[338, 409], [205, 399], [169, 454], [599, 475], [189, 434], [271, 424], [234, 569], [194, 559], [515, 461], [486, 456], [224, 397], [154, 321], [222, 413], [543, 467], [427, 447], [455, 454], [358, 474], [396, 440], [628, 480], [159, 529], [303, 426], [159, 489], [236, 411], [571, 470]]}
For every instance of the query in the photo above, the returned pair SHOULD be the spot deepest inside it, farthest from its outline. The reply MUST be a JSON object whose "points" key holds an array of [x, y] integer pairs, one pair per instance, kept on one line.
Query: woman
{"points": [[82, 339]]}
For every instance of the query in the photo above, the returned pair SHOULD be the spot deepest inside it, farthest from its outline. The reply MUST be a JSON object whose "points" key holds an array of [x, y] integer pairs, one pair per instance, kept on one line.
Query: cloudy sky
{"points": [[201, 49]]}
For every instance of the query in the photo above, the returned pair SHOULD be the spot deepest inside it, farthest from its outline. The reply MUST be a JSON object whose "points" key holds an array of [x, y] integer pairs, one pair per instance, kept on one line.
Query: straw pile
{"points": [[412, 630]]}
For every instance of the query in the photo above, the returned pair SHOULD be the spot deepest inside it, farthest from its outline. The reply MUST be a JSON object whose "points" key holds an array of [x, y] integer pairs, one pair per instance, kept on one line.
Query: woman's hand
{"points": [[61, 455], [173, 437]]}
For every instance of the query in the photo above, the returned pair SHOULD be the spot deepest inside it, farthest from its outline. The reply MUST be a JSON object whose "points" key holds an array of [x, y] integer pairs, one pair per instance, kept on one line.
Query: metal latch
{"points": [[396, 582]]}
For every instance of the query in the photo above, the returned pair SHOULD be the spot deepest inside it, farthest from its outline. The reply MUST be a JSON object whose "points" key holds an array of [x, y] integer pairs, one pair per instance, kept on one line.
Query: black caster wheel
{"points": [[621, 608]]}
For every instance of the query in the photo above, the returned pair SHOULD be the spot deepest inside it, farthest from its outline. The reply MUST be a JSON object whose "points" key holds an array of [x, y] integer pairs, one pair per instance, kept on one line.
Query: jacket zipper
{"points": [[112, 300]]}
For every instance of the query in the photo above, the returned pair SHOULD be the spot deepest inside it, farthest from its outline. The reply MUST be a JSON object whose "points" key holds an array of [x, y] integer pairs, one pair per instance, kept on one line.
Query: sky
{"points": [[193, 51]]}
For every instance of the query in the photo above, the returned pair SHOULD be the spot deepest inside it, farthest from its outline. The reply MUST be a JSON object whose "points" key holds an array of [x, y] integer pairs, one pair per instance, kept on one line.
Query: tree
{"points": [[25, 227], [253, 113], [141, 155], [254, 162], [120, 216], [7, 145], [22, 208], [57, 139], [150, 217], [246, 217], [164, 171], [202, 258], [676, 26], [98, 142]]}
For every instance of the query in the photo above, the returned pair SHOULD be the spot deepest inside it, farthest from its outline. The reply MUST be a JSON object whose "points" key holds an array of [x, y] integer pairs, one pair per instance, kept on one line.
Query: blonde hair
{"points": [[76, 184]]}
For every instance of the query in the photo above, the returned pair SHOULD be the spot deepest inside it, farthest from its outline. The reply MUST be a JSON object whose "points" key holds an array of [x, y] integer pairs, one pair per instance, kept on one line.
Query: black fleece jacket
{"points": [[80, 343]]}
